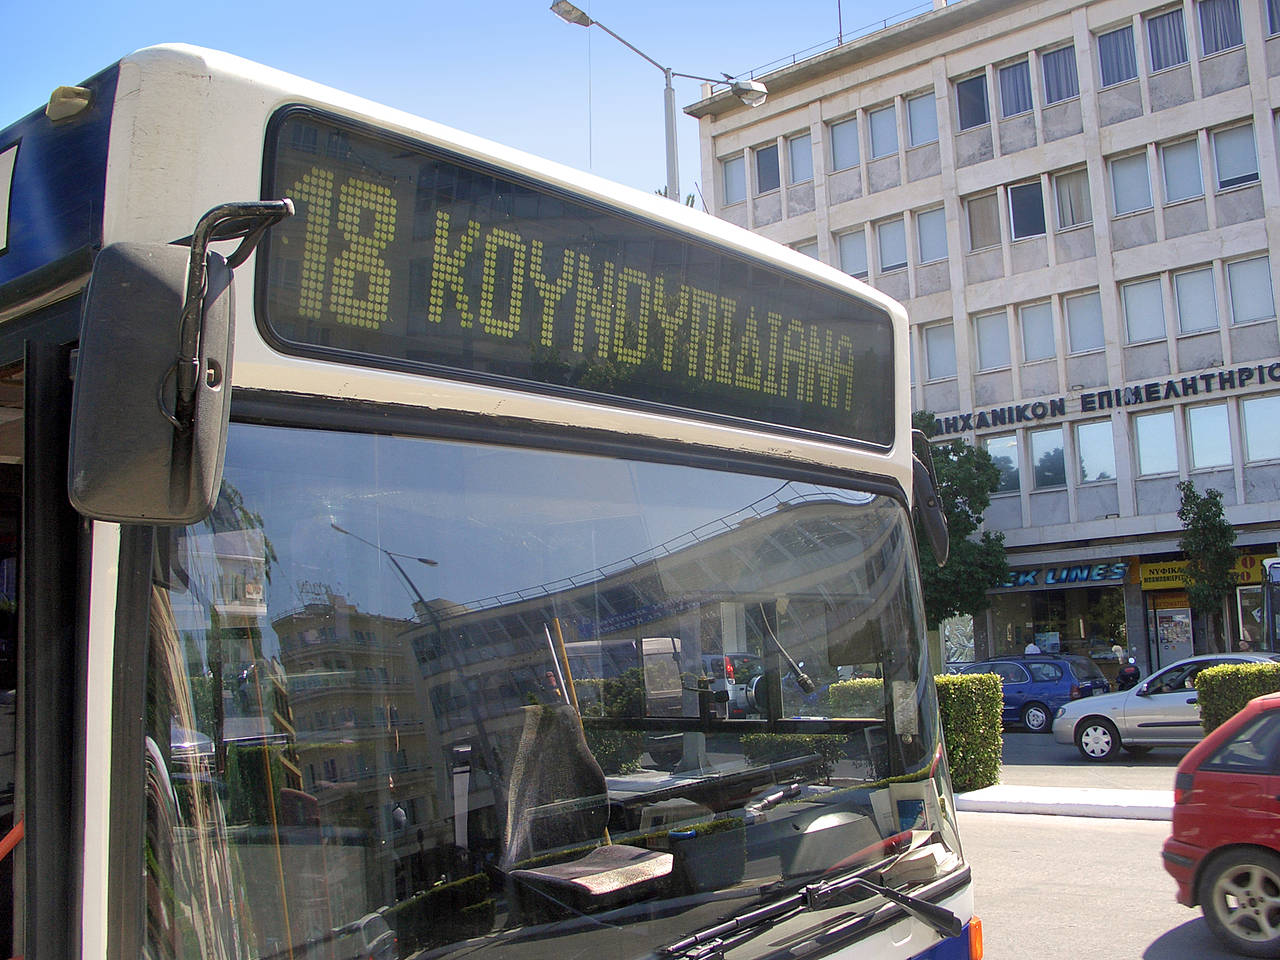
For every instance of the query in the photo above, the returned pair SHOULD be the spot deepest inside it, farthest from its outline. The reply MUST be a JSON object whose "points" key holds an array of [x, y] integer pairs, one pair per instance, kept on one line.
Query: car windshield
{"points": [[465, 687]]}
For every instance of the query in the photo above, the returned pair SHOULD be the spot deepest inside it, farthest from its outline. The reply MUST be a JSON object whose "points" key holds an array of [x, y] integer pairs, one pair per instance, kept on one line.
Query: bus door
{"points": [[41, 647]]}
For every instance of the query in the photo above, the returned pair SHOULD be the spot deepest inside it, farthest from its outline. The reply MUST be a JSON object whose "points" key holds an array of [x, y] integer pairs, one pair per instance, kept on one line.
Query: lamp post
{"points": [[750, 92], [420, 606]]}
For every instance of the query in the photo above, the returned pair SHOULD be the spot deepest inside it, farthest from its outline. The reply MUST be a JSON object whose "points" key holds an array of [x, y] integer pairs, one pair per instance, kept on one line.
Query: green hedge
{"points": [[617, 751], [970, 704], [1226, 689], [861, 697], [444, 914]]}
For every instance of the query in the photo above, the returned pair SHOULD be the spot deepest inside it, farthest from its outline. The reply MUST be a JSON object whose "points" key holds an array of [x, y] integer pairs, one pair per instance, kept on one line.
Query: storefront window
{"points": [[1066, 619]]}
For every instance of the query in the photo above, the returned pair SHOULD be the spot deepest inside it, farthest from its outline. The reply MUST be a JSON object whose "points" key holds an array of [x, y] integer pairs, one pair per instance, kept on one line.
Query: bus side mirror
{"points": [[131, 462], [152, 393], [928, 504]]}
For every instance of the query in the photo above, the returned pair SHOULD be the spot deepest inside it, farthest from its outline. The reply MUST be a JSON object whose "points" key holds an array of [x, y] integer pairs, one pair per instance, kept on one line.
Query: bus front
{"points": [[561, 596]]}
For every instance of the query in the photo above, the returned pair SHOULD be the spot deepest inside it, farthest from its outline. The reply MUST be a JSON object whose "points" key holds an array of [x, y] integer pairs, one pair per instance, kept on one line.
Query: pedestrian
{"points": [[1031, 647]]}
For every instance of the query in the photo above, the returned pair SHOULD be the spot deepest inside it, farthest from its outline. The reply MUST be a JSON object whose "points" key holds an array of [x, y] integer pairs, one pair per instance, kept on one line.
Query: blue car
{"points": [[1036, 685]]}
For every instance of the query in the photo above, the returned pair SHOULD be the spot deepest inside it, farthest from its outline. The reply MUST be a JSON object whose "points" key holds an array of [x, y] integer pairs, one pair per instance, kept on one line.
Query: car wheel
{"points": [[1097, 739], [1036, 718], [1240, 895]]}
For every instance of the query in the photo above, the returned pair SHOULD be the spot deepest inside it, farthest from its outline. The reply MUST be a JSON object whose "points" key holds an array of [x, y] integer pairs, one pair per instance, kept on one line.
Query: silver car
{"points": [[1161, 711]]}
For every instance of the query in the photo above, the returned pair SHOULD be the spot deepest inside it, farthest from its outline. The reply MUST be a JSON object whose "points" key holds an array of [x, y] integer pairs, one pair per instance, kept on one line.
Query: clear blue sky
{"points": [[504, 69]]}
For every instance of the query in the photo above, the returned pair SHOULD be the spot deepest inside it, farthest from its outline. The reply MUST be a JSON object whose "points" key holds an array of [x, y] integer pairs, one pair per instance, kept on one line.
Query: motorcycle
{"points": [[1128, 676]]}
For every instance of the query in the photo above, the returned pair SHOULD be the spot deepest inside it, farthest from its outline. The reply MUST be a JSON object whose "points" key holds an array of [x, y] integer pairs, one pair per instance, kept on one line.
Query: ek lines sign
{"points": [[1110, 572]]}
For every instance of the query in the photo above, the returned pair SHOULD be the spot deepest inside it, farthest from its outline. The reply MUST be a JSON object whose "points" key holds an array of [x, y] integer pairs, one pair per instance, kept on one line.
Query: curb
{"points": [[1070, 802]]}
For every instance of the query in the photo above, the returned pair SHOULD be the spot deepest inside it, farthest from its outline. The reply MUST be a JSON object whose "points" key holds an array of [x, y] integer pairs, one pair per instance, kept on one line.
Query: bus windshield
{"points": [[417, 694]]}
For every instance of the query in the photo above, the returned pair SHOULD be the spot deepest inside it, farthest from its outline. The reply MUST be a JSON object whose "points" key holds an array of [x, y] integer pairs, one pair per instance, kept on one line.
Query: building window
{"points": [[1015, 89], [931, 235], [1059, 70], [1156, 443], [971, 101], [940, 351], [767, 169], [991, 331], [891, 237], [922, 119], [1143, 310], [1084, 322], [984, 221], [1096, 450], [1273, 17], [1004, 454], [853, 253], [809, 248], [1209, 436], [1072, 191], [1167, 40], [799, 158], [1036, 320], [844, 144], [1249, 283], [1048, 461], [884, 132], [1219, 25], [1234, 156], [1197, 300], [1026, 210], [1130, 187], [1181, 165], [1261, 438], [735, 181], [1116, 56]]}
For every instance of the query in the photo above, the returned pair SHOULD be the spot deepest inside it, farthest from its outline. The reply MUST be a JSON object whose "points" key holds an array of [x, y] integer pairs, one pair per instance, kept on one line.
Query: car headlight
{"points": [[1060, 714]]}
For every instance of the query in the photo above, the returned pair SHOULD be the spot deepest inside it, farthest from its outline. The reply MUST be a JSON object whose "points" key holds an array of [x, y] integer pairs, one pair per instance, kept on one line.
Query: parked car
{"points": [[369, 938], [1224, 848], [1161, 711], [1036, 685]]}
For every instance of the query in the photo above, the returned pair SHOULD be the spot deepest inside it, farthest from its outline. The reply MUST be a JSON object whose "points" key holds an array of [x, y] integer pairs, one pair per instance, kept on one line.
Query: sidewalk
{"points": [[1038, 775], [1070, 801]]}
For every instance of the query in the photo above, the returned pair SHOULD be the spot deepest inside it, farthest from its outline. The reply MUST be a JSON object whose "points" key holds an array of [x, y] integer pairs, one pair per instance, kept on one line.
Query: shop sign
{"points": [[1082, 575], [1251, 377], [1171, 574]]}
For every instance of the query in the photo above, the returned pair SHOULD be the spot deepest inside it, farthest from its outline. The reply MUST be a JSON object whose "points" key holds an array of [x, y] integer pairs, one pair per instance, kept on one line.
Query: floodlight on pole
{"points": [[420, 605], [752, 93]]}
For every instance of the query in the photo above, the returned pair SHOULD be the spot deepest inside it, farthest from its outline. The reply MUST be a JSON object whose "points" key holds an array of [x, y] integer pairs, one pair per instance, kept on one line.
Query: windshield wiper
{"points": [[831, 893], [714, 941]]}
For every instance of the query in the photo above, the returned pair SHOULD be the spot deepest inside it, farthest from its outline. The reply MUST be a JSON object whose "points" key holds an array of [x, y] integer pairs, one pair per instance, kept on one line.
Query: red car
{"points": [[1224, 851]]}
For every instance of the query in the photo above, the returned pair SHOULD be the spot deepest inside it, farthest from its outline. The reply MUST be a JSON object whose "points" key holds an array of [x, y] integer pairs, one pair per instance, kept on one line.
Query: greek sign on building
{"points": [[1171, 574]]}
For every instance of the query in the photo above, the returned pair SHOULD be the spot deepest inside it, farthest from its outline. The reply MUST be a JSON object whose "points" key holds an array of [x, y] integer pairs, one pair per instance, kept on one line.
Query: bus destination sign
{"points": [[404, 255]]}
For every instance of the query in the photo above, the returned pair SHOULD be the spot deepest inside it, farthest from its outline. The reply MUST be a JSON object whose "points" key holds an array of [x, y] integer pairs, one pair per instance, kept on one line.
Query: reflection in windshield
{"points": [[410, 694]]}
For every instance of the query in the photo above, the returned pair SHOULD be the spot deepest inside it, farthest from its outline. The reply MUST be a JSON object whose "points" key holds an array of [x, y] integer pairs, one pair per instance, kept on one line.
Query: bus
{"points": [[329, 434]]}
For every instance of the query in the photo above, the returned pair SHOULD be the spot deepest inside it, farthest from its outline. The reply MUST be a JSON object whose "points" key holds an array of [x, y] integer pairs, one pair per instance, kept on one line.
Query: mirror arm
{"points": [[249, 220]]}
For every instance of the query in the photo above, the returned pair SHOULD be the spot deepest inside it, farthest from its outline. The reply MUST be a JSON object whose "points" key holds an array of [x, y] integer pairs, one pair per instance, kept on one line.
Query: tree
{"points": [[1208, 542], [966, 479]]}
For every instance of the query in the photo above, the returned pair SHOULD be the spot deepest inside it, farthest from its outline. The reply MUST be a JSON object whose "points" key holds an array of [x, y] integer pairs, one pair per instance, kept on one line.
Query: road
{"points": [[1062, 888]]}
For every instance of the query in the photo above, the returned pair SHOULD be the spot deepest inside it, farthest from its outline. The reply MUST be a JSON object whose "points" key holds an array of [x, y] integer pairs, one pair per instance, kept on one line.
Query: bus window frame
{"points": [[126, 906], [271, 141]]}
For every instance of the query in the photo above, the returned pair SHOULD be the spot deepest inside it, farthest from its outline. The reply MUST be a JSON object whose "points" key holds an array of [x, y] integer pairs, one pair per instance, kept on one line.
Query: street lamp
{"points": [[420, 606], [751, 92]]}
